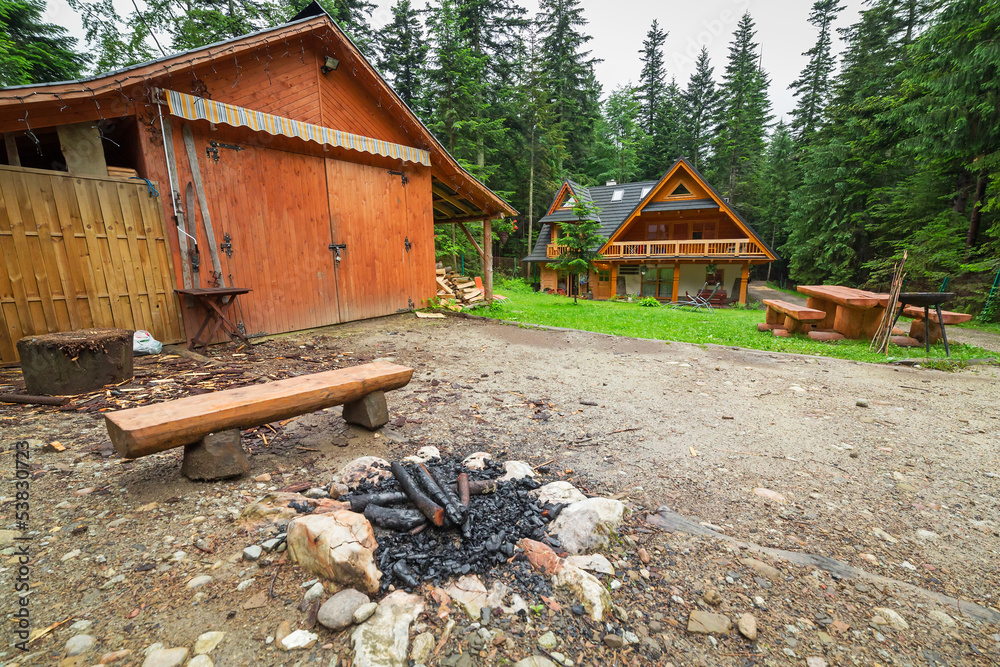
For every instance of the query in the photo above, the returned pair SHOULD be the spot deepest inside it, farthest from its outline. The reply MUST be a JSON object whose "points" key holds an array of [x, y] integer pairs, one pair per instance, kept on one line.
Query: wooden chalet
{"points": [[665, 239], [278, 161]]}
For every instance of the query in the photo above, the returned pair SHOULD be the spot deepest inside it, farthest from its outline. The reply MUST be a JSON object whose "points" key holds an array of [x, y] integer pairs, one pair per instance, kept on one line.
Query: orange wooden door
{"points": [[368, 214], [272, 204]]}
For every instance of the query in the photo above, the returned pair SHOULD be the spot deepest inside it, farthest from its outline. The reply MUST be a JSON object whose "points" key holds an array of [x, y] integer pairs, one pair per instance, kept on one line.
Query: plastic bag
{"points": [[144, 343]]}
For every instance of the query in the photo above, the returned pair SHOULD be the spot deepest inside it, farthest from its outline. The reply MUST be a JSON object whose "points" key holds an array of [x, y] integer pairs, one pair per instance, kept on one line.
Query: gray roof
{"points": [[683, 205], [612, 214]]}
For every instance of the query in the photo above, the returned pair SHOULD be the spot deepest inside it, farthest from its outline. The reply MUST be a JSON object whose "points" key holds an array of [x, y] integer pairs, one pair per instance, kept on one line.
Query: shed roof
{"points": [[104, 93]]}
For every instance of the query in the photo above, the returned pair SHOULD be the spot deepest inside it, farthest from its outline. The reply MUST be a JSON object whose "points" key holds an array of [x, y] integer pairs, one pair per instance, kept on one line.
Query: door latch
{"points": [[336, 248], [402, 177], [407, 243]]}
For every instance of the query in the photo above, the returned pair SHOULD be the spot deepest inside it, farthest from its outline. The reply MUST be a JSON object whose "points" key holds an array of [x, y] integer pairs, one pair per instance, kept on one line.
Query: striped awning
{"points": [[193, 107]]}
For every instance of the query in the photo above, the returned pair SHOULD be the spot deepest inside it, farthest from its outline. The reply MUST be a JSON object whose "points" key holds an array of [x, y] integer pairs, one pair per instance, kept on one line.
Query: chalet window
{"points": [[656, 232], [569, 203], [658, 282], [604, 275], [680, 191]]}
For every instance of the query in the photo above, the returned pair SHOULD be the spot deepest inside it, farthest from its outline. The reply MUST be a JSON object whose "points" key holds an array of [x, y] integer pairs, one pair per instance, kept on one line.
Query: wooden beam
{"points": [[744, 279], [453, 201], [441, 208], [677, 282], [488, 260], [13, 159], [452, 221], [154, 428], [472, 240]]}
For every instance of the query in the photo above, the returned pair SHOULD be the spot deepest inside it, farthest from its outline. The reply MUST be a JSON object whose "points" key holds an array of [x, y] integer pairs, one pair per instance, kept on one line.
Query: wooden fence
{"points": [[79, 252]]}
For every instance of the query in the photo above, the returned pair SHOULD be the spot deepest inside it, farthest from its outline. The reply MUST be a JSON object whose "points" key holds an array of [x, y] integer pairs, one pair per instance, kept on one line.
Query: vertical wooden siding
{"points": [[79, 252]]}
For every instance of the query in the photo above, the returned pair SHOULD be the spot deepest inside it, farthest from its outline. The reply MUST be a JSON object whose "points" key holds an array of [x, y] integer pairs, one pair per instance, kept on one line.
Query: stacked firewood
{"points": [[456, 290]]}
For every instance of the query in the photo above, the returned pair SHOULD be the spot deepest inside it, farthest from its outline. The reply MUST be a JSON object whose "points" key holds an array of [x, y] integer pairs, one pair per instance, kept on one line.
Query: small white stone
{"points": [[81, 626], [71, 555], [245, 584], [79, 644], [201, 661], [364, 612], [298, 639], [199, 581], [252, 552], [207, 642], [314, 593]]}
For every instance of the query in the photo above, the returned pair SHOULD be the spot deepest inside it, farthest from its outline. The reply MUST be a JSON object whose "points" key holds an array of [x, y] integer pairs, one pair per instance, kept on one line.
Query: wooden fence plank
{"points": [[79, 251]]}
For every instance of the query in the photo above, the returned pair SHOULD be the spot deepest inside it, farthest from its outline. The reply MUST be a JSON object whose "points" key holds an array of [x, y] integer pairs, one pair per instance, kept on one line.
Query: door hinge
{"points": [[407, 244], [227, 244], [402, 177], [212, 150]]}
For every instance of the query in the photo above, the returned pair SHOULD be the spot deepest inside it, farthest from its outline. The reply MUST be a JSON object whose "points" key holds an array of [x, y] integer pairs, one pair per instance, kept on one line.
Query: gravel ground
{"points": [[892, 470]]}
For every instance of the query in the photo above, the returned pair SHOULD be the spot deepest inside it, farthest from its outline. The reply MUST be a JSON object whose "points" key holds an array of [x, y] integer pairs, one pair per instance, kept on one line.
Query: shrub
{"points": [[649, 302]]}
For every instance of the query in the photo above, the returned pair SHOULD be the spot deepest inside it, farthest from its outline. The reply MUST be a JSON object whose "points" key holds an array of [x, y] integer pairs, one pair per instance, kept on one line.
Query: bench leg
{"points": [[216, 456], [370, 411]]}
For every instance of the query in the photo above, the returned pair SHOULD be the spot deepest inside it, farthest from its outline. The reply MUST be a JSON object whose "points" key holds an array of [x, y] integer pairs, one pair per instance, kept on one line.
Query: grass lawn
{"points": [[723, 326]]}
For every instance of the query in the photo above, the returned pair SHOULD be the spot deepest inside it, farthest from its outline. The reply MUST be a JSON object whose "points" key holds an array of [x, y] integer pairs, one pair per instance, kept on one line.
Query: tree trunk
{"points": [[961, 200], [531, 196], [972, 237], [454, 257]]}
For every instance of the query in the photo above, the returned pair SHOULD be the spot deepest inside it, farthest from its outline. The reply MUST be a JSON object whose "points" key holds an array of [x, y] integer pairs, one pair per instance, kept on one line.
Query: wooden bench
{"points": [[917, 329], [792, 317], [205, 424]]}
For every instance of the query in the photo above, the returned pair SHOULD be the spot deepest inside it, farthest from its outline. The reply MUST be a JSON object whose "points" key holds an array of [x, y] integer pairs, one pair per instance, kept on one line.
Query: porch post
{"points": [[677, 281], [614, 280], [744, 278], [488, 259]]}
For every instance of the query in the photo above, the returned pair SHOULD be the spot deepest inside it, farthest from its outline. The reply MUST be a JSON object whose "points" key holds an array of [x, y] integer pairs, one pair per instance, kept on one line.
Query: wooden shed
{"points": [[279, 161]]}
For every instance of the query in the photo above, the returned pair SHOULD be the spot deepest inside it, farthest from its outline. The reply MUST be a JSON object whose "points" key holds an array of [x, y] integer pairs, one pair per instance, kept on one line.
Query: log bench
{"points": [[917, 329], [208, 425], [790, 316]]}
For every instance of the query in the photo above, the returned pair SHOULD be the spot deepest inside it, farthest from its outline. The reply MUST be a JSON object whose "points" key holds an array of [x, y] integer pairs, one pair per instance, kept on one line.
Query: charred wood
{"points": [[430, 509], [394, 518]]}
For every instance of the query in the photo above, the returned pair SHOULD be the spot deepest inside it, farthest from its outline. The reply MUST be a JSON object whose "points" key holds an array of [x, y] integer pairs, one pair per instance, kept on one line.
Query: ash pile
{"points": [[436, 518]]}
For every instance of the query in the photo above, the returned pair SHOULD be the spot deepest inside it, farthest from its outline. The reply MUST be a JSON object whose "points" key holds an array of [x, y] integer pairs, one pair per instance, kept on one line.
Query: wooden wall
{"points": [[79, 252]]}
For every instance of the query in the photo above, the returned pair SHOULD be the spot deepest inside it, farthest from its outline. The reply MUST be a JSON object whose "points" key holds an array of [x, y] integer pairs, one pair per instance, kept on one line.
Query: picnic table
{"points": [[853, 313]]}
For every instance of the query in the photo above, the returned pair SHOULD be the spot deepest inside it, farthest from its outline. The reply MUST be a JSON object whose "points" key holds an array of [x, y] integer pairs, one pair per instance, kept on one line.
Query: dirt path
{"points": [[906, 488], [760, 291]]}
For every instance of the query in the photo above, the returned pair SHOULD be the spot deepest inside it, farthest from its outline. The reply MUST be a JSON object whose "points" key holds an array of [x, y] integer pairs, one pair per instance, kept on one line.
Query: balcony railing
{"points": [[699, 248]]}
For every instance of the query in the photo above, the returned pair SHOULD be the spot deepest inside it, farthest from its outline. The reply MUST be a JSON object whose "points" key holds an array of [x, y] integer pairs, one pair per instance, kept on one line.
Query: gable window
{"points": [[618, 194], [569, 203], [680, 191]]}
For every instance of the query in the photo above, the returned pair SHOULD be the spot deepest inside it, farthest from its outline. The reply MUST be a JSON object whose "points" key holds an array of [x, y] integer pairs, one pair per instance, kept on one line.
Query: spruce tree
{"points": [[779, 177], [32, 51], [620, 135], [699, 107], [569, 74], [580, 242], [745, 112], [812, 88], [404, 54], [653, 80]]}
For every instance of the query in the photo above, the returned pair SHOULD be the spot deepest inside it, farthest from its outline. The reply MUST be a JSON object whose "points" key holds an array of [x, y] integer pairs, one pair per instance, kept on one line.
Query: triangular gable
{"points": [[683, 172], [563, 197]]}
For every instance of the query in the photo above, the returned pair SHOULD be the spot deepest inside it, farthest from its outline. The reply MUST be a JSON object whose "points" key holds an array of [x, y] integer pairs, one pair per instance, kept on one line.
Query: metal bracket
{"points": [[407, 243], [212, 150], [402, 177], [227, 244]]}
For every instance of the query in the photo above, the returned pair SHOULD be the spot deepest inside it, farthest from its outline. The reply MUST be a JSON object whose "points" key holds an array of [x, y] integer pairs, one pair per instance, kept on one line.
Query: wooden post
{"points": [[488, 260], [744, 279], [13, 159], [614, 280], [677, 281]]}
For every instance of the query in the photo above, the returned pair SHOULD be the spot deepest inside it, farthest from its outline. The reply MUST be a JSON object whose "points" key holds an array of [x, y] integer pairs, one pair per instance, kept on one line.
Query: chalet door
{"points": [[368, 216], [278, 231]]}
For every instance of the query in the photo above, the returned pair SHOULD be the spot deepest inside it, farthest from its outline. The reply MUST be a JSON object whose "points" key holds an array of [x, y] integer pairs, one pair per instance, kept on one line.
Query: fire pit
{"points": [[437, 519]]}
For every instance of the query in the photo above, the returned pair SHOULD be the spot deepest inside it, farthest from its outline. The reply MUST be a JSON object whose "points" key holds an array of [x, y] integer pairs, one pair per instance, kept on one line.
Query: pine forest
{"points": [[893, 144]]}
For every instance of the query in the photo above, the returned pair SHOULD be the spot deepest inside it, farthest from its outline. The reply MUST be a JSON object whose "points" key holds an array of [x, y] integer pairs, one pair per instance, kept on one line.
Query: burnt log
{"points": [[403, 572], [394, 518], [463, 489], [454, 510], [360, 502], [480, 487], [430, 509]]}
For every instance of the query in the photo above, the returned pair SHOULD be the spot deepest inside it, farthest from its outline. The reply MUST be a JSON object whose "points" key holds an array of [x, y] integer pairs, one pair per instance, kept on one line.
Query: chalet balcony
{"points": [[711, 248]]}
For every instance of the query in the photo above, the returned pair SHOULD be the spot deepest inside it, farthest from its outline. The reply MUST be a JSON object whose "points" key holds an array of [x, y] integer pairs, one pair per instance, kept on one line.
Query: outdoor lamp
{"points": [[329, 64]]}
